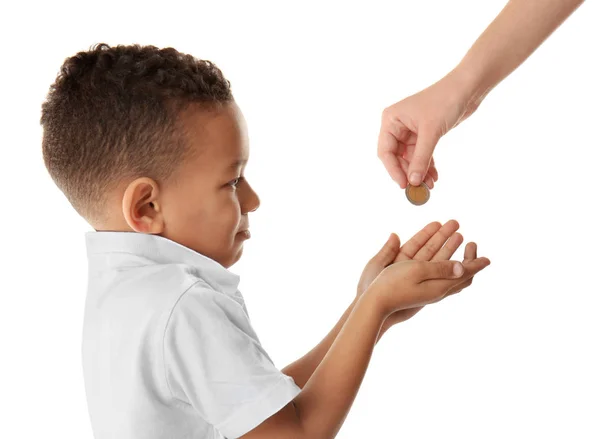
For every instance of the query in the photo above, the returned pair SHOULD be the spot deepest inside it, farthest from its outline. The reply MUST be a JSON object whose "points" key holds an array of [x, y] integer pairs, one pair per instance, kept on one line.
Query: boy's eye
{"points": [[236, 181]]}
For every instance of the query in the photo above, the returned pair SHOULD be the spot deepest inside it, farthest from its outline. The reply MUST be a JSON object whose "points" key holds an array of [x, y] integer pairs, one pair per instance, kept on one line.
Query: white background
{"points": [[515, 355]]}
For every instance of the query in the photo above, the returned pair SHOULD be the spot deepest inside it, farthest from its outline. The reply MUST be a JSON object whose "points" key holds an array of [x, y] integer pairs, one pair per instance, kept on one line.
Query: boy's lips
{"points": [[245, 233]]}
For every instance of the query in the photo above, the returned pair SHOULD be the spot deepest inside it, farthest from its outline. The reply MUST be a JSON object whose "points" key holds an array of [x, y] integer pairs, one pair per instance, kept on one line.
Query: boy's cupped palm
{"points": [[433, 243]]}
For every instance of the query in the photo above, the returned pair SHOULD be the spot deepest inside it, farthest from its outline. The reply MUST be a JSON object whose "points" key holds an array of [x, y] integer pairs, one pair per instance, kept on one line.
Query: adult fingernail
{"points": [[416, 178], [457, 270]]}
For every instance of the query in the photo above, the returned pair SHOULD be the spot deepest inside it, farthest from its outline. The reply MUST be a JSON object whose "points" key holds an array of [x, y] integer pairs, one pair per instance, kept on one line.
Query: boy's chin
{"points": [[236, 257]]}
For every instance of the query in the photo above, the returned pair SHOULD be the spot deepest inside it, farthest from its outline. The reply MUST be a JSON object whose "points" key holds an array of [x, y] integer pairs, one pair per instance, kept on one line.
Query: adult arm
{"points": [[411, 128]]}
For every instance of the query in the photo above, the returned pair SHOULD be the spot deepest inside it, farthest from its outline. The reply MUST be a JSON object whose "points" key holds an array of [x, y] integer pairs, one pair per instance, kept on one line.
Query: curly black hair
{"points": [[112, 114]]}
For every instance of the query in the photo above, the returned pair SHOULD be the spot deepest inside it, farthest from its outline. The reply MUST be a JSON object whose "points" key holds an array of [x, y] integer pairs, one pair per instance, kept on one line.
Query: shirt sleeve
{"points": [[215, 362]]}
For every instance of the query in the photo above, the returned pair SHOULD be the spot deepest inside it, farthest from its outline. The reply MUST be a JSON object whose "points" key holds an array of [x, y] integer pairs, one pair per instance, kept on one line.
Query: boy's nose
{"points": [[255, 204], [250, 201]]}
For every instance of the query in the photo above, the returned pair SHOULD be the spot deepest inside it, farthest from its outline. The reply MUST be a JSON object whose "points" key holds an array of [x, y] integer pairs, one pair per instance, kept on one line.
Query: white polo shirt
{"points": [[168, 348]]}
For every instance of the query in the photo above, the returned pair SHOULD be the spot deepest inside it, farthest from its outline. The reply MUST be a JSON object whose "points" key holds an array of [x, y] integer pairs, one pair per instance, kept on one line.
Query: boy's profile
{"points": [[149, 147]]}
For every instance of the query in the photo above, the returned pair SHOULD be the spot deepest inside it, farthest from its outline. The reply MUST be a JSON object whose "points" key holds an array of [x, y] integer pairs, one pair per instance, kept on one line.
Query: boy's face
{"points": [[206, 207]]}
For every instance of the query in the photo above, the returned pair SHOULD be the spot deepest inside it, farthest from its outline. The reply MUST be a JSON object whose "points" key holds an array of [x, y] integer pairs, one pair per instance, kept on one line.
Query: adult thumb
{"points": [[419, 165]]}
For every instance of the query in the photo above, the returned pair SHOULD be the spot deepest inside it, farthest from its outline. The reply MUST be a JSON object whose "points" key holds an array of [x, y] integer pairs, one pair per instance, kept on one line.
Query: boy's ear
{"points": [[141, 207]]}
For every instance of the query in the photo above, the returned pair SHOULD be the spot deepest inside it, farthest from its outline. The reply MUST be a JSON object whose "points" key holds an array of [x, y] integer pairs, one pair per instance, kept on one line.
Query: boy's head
{"points": [[151, 140]]}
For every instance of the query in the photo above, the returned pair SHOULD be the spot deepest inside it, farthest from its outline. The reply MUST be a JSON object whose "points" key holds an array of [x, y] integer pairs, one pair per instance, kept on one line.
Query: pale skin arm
{"points": [[411, 128], [520, 28]]}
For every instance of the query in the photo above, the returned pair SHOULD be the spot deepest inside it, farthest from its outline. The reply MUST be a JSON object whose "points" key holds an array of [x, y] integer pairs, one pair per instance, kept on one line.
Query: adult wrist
{"points": [[468, 86]]}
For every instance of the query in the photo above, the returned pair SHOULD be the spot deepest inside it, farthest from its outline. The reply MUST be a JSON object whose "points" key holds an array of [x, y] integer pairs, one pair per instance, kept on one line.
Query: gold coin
{"points": [[417, 195]]}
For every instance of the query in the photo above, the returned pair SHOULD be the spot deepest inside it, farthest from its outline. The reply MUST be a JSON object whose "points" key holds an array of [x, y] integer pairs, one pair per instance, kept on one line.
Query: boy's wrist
{"points": [[372, 299]]}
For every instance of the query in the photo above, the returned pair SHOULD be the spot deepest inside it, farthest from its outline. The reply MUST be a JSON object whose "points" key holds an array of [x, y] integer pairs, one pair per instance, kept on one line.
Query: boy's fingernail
{"points": [[416, 178], [457, 270]]}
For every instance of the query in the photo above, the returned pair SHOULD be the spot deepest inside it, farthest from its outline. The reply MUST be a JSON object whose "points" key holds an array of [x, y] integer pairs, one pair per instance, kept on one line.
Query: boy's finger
{"points": [[414, 244], [389, 250], [428, 271], [449, 248], [471, 268], [474, 266], [429, 249], [469, 281], [471, 251], [457, 289]]}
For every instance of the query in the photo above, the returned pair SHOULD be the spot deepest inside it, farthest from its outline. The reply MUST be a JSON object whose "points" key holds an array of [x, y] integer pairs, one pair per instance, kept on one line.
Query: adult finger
{"points": [[433, 170], [429, 181], [431, 175], [387, 151], [426, 142]]}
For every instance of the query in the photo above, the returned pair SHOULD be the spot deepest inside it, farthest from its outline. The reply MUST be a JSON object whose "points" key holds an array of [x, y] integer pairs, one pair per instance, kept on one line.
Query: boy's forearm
{"points": [[518, 30], [302, 369], [324, 402]]}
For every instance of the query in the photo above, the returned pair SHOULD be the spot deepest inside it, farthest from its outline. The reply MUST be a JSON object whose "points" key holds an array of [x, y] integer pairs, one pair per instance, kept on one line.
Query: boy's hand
{"points": [[423, 246], [470, 260], [386, 256], [411, 284], [433, 242]]}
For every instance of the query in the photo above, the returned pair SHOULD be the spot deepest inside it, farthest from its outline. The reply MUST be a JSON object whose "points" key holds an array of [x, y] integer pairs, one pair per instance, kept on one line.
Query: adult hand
{"points": [[411, 129]]}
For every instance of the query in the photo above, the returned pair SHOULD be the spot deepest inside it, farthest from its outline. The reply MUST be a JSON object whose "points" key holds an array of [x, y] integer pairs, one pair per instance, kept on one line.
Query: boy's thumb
{"points": [[442, 270], [390, 250]]}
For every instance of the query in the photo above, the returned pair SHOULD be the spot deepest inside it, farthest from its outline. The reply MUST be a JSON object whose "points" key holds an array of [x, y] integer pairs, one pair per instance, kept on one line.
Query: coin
{"points": [[417, 195]]}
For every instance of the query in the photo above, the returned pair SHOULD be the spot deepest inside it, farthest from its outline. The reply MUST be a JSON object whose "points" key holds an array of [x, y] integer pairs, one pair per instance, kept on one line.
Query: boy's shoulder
{"points": [[202, 303], [179, 289]]}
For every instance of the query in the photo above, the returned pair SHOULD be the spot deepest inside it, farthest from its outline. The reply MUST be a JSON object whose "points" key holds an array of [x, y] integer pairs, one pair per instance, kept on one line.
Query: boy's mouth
{"points": [[245, 233]]}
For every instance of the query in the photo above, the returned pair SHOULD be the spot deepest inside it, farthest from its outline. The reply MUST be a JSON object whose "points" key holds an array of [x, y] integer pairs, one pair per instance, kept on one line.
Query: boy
{"points": [[149, 147]]}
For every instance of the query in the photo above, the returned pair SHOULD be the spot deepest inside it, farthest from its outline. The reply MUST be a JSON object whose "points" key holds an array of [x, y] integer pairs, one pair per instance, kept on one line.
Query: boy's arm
{"points": [[319, 411], [302, 369], [434, 236]]}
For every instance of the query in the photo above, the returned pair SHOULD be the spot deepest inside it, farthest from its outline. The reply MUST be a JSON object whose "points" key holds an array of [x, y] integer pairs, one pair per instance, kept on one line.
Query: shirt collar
{"points": [[162, 251]]}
